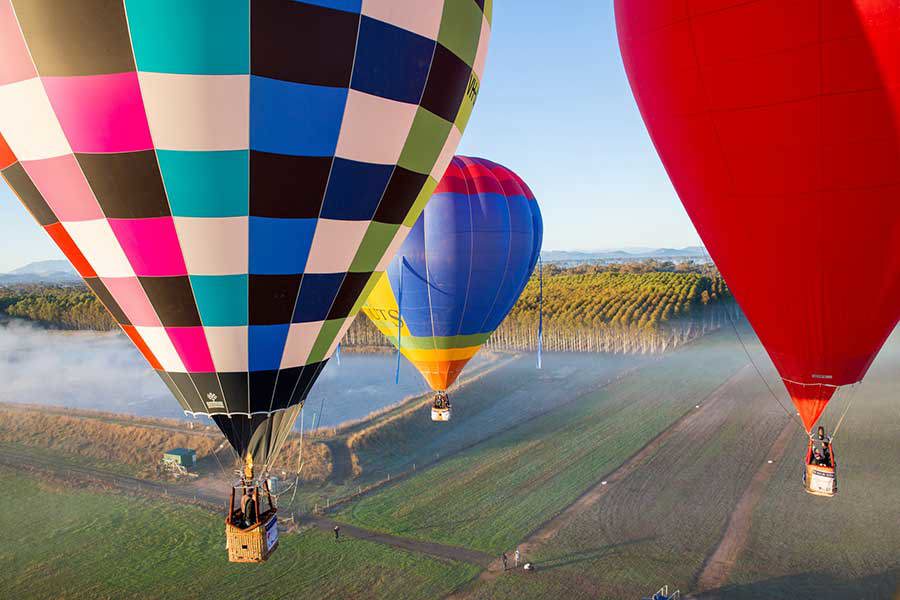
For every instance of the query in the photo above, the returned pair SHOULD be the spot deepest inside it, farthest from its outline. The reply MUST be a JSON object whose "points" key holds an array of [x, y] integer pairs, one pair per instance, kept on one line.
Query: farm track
{"points": [[195, 495], [719, 565]]}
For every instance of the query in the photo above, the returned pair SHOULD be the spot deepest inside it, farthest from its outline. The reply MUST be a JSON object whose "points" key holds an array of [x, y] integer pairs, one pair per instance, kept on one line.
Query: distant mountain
{"points": [[624, 254], [44, 271]]}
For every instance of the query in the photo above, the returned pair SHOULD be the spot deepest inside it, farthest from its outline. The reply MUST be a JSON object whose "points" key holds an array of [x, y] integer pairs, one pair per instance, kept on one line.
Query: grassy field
{"points": [[847, 546], [78, 544], [497, 402], [658, 525], [501, 399], [491, 496]]}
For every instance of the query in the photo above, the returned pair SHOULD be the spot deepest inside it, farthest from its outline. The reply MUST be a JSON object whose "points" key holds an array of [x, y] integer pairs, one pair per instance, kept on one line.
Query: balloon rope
{"points": [[540, 311], [215, 454], [850, 399], [791, 414]]}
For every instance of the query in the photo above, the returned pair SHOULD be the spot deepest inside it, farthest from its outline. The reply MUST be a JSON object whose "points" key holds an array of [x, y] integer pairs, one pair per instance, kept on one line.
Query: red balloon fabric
{"points": [[778, 122]]}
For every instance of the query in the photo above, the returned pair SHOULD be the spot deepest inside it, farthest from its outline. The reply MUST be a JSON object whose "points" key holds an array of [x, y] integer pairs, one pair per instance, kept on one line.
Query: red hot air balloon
{"points": [[778, 124]]}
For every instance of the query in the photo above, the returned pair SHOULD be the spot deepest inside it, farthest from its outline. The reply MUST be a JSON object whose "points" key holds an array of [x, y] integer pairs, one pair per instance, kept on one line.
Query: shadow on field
{"points": [[589, 555], [819, 585]]}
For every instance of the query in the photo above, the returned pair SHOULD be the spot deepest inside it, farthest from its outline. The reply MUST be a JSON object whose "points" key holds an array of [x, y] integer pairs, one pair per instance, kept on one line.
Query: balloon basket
{"points": [[820, 481], [256, 542], [440, 414]]}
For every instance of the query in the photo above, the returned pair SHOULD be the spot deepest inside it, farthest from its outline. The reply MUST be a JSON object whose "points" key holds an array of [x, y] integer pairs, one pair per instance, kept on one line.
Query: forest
{"points": [[642, 307], [60, 307]]}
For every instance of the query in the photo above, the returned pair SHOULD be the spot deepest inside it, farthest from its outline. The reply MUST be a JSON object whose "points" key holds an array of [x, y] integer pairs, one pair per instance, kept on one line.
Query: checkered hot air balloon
{"points": [[231, 177]]}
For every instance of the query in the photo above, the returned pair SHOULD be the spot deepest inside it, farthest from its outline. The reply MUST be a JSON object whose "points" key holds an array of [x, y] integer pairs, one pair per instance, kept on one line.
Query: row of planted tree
{"points": [[620, 309], [631, 308]]}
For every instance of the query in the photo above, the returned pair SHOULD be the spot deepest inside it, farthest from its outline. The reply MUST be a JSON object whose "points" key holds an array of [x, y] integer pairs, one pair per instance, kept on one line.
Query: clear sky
{"points": [[556, 108]]}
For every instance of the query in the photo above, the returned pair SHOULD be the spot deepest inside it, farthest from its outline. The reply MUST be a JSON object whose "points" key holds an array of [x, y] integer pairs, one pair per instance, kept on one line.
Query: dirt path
{"points": [[456, 553], [210, 497], [552, 526], [341, 459], [717, 568]]}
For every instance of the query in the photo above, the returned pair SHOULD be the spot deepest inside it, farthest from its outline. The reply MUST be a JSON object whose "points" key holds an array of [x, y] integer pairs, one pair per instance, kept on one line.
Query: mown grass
{"points": [[658, 525], [68, 544], [494, 403], [847, 546], [491, 496]]}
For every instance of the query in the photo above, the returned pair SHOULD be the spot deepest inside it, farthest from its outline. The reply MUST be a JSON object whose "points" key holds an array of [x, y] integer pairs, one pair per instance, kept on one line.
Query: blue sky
{"points": [[556, 108]]}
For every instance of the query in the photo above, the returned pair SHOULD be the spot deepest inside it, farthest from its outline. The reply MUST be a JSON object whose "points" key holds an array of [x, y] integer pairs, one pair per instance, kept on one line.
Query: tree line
{"points": [[62, 307], [640, 307]]}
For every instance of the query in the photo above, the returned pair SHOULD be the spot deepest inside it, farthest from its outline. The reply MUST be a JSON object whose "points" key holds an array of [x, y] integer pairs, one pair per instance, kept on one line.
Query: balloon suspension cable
{"points": [[215, 454], [540, 340], [399, 321], [296, 483], [850, 397], [737, 334]]}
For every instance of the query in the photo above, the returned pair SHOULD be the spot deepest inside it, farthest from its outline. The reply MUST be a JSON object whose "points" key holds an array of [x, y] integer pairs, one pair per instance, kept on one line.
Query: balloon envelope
{"points": [[229, 177], [463, 267], [778, 125]]}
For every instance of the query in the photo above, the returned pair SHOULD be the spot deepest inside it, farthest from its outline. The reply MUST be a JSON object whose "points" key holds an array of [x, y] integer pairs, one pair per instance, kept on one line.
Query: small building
{"points": [[183, 457]]}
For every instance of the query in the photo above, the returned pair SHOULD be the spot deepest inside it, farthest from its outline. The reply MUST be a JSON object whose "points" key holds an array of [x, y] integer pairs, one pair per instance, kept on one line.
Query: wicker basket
{"points": [[256, 543]]}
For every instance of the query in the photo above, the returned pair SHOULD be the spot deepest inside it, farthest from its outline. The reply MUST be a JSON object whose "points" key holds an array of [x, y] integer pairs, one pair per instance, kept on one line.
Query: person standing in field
{"points": [[505, 561], [517, 558], [337, 533]]}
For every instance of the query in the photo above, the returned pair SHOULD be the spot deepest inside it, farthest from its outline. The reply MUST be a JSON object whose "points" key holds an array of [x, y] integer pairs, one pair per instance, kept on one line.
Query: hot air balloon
{"points": [[231, 177], [458, 274], [778, 125]]}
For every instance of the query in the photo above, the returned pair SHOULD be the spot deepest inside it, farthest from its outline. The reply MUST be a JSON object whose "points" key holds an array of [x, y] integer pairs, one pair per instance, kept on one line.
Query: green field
{"points": [[660, 524], [84, 544], [496, 402], [491, 496], [847, 546], [523, 445]]}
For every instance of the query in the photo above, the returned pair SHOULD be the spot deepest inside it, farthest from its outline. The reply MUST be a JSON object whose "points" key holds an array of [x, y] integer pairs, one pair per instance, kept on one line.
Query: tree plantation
{"points": [[632, 308]]}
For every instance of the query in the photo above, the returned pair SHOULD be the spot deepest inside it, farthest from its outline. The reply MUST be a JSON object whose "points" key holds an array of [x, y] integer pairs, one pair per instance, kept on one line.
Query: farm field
{"points": [[847, 546], [523, 446], [491, 496], [662, 522], [81, 544], [392, 443], [658, 524]]}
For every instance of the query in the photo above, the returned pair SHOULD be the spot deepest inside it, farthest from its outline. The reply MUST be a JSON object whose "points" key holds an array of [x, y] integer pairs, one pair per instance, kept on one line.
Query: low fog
{"points": [[103, 371]]}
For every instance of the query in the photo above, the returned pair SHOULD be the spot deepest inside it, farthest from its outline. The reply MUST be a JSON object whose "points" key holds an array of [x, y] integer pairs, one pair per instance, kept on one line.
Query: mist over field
{"points": [[80, 370], [103, 371]]}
